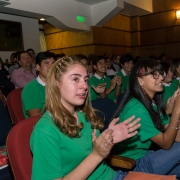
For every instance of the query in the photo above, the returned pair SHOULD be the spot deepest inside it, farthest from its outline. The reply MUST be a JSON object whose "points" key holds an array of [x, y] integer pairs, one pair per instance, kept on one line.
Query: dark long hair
{"points": [[134, 90]]}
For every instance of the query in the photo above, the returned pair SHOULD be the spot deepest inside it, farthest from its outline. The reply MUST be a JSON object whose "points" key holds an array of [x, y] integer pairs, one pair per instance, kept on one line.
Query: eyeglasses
{"points": [[155, 74]]}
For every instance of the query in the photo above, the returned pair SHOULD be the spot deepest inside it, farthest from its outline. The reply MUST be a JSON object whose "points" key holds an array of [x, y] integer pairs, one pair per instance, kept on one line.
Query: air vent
{"points": [[4, 2]]}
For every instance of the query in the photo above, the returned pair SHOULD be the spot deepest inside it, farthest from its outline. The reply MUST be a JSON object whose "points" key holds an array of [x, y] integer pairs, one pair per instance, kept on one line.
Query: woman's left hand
{"points": [[124, 130]]}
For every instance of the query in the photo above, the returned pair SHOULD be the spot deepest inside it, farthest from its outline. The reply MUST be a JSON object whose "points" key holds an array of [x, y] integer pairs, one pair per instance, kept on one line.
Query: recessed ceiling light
{"points": [[42, 19]]}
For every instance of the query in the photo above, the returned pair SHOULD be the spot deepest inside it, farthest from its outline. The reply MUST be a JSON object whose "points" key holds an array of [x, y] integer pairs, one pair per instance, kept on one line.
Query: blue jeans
{"points": [[162, 162]]}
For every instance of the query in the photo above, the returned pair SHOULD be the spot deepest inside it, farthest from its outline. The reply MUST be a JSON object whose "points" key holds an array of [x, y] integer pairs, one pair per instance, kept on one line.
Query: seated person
{"points": [[15, 64], [25, 74], [126, 64], [83, 59], [33, 94], [32, 53], [100, 85], [111, 71], [64, 142], [143, 98], [116, 62], [168, 87], [6, 86]]}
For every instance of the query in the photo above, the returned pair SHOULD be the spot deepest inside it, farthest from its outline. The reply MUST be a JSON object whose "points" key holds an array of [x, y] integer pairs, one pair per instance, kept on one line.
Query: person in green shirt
{"points": [[144, 99], [33, 94], [170, 85], [127, 63], [66, 142], [101, 86]]}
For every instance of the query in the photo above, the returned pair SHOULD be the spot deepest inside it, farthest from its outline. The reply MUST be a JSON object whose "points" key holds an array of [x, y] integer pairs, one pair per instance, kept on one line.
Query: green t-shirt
{"points": [[168, 91], [55, 154], [125, 80], [33, 97], [137, 146], [95, 82]]}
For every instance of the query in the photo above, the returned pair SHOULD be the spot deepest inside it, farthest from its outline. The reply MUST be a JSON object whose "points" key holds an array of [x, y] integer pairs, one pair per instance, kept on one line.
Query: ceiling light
{"points": [[42, 19], [178, 14]]}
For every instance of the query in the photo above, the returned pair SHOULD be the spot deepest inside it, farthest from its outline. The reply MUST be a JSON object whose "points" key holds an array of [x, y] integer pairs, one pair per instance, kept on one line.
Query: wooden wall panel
{"points": [[48, 29], [118, 50], [86, 50], [158, 20], [68, 39], [165, 5], [111, 36], [172, 50], [120, 22]]}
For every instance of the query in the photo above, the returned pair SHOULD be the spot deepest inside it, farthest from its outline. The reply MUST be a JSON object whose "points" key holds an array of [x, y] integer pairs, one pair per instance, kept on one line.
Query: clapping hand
{"points": [[102, 145], [100, 88], [124, 130]]}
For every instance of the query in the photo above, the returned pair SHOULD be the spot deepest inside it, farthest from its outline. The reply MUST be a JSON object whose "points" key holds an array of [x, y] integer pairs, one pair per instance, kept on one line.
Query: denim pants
{"points": [[162, 162]]}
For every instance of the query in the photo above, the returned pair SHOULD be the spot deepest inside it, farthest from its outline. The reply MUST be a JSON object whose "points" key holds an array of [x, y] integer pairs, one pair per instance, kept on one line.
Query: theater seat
{"points": [[18, 148], [14, 104]]}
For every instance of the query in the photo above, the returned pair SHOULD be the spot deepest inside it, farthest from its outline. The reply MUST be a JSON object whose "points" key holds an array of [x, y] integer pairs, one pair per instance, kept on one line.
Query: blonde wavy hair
{"points": [[63, 119]]}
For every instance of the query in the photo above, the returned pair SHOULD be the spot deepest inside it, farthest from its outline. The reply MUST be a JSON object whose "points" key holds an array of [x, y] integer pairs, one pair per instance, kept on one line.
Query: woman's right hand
{"points": [[102, 145]]}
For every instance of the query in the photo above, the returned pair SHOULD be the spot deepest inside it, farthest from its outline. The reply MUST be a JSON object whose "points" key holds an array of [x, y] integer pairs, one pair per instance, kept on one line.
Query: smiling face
{"points": [[44, 68], [127, 66], [73, 87], [150, 84], [101, 67]]}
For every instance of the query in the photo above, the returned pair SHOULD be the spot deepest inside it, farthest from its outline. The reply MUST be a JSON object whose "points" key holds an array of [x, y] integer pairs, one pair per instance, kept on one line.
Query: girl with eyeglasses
{"points": [[144, 99]]}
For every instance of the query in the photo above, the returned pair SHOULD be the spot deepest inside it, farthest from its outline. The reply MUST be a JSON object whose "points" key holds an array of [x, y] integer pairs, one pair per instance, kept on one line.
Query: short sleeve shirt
{"points": [[137, 146], [55, 154]]}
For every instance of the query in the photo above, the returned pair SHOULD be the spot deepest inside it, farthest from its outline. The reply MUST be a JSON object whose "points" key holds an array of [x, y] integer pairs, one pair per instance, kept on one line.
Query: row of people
{"points": [[68, 131]]}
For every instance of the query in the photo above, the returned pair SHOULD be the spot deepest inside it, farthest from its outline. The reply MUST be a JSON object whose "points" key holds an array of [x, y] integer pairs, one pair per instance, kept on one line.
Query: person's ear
{"points": [[38, 67], [94, 67], [140, 80]]}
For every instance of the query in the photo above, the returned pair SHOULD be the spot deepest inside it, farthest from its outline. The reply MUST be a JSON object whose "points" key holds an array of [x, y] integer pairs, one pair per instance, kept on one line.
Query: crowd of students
{"points": [[61, 88]]}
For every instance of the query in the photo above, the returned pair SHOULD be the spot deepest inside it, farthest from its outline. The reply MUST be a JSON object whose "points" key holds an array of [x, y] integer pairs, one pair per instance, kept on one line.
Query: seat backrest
{"points": [[18, 148], [107, 108], [14, 104]]}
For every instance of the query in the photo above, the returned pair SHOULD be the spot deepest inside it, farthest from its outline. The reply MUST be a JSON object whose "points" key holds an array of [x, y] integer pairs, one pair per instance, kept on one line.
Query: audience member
{"points": [[33, 56], [6, 86], [176, 67], [163, 57], [90, 65], [169, 86], [143, 98], [116, 62], [111, 71], [25, 74], [127, 65], [100, 85], [64, 142], [15, 64], [3, 69], [83, 59], [33, 94], [58, 56]]}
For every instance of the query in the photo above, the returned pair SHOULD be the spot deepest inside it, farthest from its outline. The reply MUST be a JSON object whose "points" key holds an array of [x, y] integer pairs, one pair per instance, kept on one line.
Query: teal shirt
{"points": [[137, 146], [95, 82], [33, 97], [125, 81], [55, 154]]}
